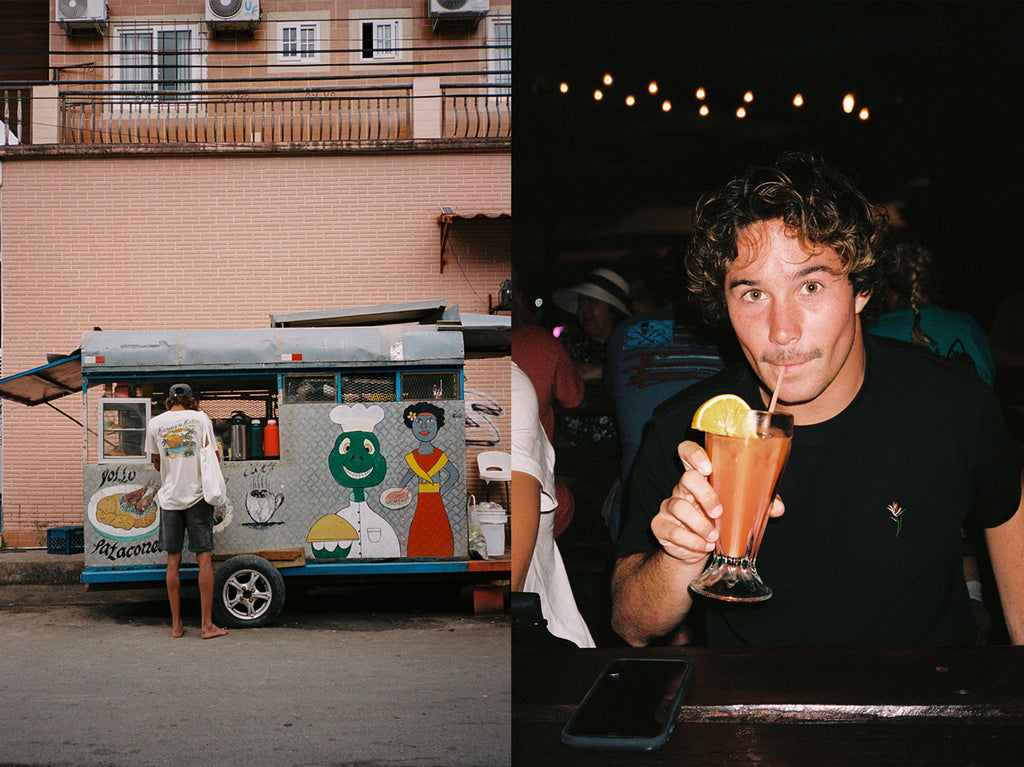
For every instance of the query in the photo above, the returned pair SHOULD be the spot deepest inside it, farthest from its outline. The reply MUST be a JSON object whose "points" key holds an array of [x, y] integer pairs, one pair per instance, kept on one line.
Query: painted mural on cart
{"points": [[353, 481]]}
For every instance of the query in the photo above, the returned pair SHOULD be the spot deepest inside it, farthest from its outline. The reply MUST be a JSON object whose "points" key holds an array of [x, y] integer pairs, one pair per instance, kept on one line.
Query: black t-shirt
{"points": [[869, 550]]}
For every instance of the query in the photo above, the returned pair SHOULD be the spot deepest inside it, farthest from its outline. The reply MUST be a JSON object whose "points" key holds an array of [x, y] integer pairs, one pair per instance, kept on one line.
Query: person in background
{"points": [[537, 565], [587, 438], [555, 380], [914, 313], [652, 356], [598, 302], [173, 439], [894, 447]]}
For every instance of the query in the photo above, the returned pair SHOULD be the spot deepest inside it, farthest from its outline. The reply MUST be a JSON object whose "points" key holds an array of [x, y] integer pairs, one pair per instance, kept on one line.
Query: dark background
{"points": [[597, 183]]}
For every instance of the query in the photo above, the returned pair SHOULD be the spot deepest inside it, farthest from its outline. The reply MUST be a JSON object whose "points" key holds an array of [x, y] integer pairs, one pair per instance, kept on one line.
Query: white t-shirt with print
{"points": [[176, 437]]}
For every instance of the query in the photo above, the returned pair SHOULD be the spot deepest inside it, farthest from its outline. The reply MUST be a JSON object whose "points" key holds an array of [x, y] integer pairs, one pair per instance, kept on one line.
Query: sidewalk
{"points": [[36, 566]]}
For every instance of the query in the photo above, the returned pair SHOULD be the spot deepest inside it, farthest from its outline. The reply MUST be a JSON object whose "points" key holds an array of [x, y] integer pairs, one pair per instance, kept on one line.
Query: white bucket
{"points": [[492, 525]]}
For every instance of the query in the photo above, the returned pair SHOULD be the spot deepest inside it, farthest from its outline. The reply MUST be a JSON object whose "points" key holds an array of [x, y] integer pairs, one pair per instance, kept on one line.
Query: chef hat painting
{"points": [[601, 284]]}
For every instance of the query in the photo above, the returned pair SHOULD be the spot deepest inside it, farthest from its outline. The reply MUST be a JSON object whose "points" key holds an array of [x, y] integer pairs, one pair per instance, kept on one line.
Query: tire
{"points": [[248, 592]]}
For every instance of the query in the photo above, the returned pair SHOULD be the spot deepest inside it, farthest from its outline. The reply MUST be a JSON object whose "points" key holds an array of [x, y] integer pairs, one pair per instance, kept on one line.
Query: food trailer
{"points": [[330, 468]]}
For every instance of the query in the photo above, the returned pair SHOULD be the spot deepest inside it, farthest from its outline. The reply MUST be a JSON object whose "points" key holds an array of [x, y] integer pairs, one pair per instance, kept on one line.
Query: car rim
{"points": [[247, 594]]}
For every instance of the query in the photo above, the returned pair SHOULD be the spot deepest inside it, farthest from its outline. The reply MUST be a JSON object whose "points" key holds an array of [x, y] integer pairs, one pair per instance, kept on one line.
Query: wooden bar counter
{"points": [[792, 707]]}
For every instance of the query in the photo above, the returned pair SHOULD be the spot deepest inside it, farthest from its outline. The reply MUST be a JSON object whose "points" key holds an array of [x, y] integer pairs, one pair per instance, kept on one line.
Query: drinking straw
{"points": [[775, 394]]}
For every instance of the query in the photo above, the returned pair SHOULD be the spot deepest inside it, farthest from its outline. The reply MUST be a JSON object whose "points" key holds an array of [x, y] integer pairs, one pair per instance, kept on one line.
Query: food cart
{"points": [[329, 468]]}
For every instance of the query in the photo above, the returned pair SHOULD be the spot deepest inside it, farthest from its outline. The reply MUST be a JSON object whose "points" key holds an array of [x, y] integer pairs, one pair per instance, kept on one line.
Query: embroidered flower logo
{"points": [[896, 513]]}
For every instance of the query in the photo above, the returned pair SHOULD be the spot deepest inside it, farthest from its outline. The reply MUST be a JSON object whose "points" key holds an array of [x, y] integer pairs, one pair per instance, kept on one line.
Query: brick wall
{"points": [[135, 242]]}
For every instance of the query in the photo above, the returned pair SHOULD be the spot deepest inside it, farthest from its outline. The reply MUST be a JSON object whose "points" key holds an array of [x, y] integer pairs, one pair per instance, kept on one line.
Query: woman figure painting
{"points": [[430, 534]]}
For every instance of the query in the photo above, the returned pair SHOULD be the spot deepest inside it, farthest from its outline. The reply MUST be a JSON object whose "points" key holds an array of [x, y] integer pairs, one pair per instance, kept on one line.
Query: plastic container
{"points": [[65, 540], [271, 440], [255, 439], [492, 525]]}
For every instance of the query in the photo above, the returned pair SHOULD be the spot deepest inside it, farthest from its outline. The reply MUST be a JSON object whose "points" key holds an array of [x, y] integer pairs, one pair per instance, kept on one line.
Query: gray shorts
{"points": [[197, 519]]}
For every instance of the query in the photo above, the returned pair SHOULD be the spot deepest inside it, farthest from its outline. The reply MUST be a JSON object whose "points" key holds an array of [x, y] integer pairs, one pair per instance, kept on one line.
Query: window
{"points": [[381, 40], [499, 56], [434, 385], [299, 43], [156, 64]]}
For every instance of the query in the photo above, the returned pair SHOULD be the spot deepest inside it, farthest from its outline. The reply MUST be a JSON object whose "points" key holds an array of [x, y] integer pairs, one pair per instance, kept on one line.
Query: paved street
{"points": [[376, 675]]}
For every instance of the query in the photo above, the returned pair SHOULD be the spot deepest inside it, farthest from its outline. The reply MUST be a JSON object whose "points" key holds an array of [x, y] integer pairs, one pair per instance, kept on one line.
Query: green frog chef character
{"points": [[355, 461]]}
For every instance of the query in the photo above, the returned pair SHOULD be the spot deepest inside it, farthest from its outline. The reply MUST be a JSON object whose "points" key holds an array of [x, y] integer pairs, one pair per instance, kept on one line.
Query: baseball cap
{"points": [[180, 390]]}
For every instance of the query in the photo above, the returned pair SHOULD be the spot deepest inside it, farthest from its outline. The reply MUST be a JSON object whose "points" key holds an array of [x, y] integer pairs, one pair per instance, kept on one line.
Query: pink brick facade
{"points": [[224, 240]]}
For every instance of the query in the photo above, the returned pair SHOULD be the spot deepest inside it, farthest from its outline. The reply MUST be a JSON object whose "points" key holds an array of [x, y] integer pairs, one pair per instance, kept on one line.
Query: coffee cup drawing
{"points": [[261, 504]]}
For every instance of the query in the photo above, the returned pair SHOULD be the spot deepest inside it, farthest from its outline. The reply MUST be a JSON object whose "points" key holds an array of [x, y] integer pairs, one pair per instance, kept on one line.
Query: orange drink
{"points": [[745, 469]]}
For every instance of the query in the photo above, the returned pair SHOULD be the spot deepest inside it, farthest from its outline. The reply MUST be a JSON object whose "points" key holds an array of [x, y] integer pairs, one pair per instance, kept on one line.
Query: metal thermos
{"points": [[239, 438], [255, 439]]}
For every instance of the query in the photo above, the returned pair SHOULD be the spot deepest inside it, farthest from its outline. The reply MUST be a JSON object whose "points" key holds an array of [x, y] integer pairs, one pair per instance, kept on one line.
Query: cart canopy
{"points": [[45, 384], [276, 348]]}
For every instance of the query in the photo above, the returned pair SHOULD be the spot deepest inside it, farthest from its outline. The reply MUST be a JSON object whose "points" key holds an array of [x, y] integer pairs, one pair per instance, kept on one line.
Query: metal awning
{"points": [[484, 335], [449, 216], [423, 312], [45, 384]]}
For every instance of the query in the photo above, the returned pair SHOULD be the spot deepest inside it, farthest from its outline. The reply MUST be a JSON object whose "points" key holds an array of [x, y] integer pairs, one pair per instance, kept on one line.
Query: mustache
{"points": [[792, 357]]}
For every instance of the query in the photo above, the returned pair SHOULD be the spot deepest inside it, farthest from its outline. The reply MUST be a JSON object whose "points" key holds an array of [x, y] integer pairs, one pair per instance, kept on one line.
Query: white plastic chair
{"points": [[495, 466]]}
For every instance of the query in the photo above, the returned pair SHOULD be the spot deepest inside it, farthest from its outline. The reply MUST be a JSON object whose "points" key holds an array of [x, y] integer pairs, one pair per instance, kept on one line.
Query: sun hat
{"points": [[602, 284]]}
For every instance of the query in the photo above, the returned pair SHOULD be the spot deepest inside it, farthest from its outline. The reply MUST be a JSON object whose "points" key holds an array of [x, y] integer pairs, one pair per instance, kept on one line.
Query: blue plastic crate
{"points": [[65, 540]]}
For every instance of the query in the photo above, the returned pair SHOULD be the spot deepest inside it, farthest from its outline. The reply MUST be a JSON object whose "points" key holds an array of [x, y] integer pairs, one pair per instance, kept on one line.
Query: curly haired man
{"points": [[791, 255]]}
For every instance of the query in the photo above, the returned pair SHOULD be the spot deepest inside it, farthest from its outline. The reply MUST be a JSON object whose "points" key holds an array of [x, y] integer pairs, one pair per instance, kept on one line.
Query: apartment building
{"points": [[197, 164]]}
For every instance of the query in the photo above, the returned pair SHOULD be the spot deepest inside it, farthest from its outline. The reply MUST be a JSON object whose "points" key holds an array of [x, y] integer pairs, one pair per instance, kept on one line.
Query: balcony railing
{"points": [[370, 114], [365, 114], [15, 116], [476, 111]]}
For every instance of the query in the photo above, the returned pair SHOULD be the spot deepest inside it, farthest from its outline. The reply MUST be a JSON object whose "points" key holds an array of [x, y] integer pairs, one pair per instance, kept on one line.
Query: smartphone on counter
{"points": [[632, 705]]}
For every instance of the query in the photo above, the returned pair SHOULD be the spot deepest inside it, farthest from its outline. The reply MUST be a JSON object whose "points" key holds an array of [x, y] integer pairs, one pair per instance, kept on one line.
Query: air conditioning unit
{"points": [[458, 10], [82, 15], [232, 14]]}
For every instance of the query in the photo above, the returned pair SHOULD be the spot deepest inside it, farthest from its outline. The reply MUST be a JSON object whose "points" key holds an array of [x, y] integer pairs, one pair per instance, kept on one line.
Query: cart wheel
{"points": [[248, 592]]}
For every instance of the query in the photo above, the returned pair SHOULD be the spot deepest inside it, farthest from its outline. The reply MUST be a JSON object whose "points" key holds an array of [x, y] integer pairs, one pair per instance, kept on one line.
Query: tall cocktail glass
{"points": [[744, 472]]}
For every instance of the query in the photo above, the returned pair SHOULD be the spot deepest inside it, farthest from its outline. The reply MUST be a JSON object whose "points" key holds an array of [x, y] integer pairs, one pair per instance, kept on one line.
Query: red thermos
{"points": [[271, 440]]}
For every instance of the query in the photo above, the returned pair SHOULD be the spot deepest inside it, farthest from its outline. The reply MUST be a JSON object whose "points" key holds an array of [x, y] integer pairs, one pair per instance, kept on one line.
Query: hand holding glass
{"points": [[744, 472]]}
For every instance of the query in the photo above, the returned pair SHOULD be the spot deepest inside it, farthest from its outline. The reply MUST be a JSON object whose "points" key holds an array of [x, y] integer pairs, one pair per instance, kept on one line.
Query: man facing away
{"points": [[173, 440], [893, 446]]}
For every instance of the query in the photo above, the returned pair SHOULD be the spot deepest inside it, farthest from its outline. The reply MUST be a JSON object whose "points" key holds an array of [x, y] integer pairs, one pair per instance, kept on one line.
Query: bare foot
{"points": [[213, 632], [178, 631]]}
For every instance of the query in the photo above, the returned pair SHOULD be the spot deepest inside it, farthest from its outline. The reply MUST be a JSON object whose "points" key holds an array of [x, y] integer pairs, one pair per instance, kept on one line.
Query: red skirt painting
{"points": [[430, 534]]}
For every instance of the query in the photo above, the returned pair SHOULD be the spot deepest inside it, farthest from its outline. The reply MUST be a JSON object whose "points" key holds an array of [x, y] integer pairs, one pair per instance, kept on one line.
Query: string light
{"points": [[849, 101]]}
